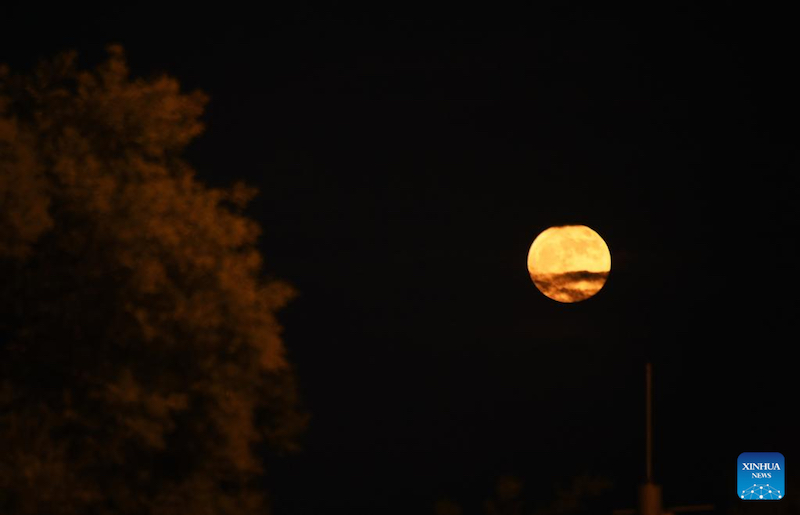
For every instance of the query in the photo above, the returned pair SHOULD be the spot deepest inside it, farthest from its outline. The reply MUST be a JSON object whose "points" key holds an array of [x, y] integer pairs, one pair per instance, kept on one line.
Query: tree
{"points": [[507, 499], [578, 497], [142, 364]]}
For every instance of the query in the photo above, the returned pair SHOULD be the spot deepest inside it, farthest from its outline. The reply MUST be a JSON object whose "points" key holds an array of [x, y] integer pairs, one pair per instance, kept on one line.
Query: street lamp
{"points": [[650, 500]]}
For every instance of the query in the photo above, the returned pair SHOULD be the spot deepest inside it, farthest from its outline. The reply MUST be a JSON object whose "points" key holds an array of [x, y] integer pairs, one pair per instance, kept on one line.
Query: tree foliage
{"points": [[142, 363], [576, 498]]}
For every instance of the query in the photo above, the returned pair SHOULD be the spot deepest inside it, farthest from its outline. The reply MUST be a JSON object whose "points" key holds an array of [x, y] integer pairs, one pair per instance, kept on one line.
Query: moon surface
{"points": [[569, 263]]}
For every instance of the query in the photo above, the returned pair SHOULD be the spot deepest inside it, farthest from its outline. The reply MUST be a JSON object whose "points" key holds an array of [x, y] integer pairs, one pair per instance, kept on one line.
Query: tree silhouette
{"points": [[142, 363], [579, 496], [507, 499]]}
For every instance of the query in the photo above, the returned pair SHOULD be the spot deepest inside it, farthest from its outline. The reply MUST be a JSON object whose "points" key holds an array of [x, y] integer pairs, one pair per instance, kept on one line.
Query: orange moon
{"points": [[569, 263]]}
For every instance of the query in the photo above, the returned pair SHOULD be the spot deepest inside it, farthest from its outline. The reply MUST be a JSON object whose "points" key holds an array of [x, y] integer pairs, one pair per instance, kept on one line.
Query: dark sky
{"points": [[406, 160]]}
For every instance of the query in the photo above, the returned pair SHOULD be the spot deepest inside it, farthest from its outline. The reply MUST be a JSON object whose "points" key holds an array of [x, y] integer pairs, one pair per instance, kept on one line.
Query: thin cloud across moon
{"points": [[569, 263]]}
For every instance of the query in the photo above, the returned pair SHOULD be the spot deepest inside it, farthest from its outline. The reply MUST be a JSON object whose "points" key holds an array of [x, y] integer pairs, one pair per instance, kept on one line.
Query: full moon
{"points": [[569, 263]]}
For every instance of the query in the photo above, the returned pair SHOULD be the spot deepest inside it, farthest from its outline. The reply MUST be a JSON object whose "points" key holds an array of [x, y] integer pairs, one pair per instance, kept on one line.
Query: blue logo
{"points": [[760, 476]]}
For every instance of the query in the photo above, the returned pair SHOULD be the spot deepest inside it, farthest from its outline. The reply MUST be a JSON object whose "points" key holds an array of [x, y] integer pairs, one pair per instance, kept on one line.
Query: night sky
{"points": [[406, 161]]}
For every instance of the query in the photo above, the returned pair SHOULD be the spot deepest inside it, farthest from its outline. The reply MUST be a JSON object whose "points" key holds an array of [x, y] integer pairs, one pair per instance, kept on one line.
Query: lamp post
{"points": [[650, 500]]}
